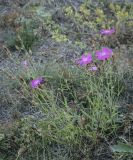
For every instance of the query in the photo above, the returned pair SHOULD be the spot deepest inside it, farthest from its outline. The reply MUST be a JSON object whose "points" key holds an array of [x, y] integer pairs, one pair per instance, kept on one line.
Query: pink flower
{"points": [[35, 82], [85, 59], [104, 53], [107, 31], [93, 68]]}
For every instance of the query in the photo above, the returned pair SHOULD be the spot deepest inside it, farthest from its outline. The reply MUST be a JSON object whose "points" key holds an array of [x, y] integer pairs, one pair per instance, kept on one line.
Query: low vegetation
{"points": [[80, 108]]}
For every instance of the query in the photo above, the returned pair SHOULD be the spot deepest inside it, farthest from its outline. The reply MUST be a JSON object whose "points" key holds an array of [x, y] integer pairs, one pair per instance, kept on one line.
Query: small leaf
{"points": [[121, 147], [1, 136]]}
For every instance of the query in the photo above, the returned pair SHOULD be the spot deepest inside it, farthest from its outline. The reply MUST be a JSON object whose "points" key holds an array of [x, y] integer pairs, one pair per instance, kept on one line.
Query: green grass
{"points": [[76, 103], [78, 107]]}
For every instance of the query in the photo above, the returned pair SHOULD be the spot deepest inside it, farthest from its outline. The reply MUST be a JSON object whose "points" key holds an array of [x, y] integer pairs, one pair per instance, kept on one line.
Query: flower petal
{"points": [[35, 82], [107, 31], [107, 50], [104, 53], [93, 68], [85, 59]]}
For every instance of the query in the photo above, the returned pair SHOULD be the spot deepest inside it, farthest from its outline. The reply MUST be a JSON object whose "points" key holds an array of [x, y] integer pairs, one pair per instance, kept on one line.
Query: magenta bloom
{"points": [[107, 31], [85, 59], [93, 68], [35, 82], [104, 53]]}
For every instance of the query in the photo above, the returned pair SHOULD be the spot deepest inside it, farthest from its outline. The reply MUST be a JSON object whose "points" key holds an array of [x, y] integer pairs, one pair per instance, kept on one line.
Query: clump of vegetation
{"points": [[26, 37], [75, 102], [78, 101]]}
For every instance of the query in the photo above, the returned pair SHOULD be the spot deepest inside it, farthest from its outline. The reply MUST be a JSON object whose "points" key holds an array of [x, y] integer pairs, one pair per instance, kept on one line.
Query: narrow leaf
{"points": [[121, 147]]}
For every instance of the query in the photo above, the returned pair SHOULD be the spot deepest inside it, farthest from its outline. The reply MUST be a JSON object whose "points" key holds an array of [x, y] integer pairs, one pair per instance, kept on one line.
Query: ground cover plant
{"points": [[66, 80]]}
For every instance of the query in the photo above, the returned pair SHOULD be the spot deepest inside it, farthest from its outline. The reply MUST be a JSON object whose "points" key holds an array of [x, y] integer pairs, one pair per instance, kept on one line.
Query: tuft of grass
{"points": [[75, 103], [77, 106]]}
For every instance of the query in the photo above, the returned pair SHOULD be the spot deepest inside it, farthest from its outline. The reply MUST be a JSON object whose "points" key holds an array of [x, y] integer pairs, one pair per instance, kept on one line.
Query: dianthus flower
{"points": [[35, 82], [93, 68], [107, 31], [104, 53], [85, 59]]}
